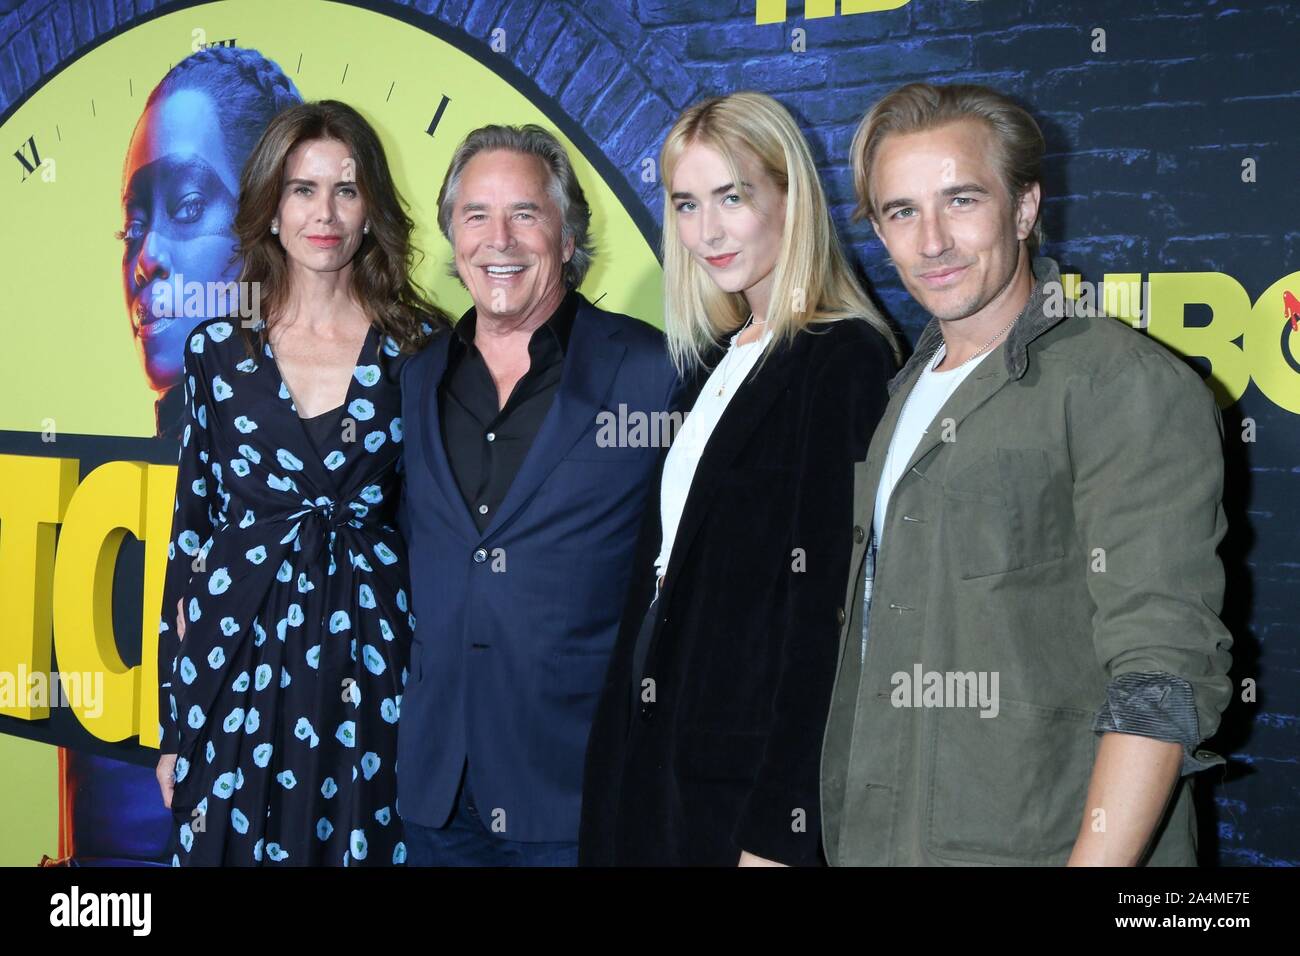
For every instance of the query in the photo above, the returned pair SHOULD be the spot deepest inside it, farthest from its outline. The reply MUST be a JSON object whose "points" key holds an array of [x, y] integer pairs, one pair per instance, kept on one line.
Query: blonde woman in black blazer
{"points": [[706, 742]]}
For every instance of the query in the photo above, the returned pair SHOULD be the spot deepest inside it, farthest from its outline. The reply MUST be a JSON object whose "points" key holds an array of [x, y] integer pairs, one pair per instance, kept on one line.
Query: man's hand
{"points": [[166, 774]]}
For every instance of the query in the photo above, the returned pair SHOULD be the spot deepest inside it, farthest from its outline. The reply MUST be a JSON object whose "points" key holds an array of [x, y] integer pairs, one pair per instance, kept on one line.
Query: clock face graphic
{"points": [[120, 179], [120, 183]]}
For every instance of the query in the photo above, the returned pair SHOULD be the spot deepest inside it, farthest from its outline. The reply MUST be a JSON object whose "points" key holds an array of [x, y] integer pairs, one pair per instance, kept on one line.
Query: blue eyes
{"points": [[961, 202], [682, 206]]}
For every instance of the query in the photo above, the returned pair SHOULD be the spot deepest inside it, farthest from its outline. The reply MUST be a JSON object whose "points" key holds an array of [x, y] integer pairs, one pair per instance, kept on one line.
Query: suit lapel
{"points": [[591, 362], [430, 431]]}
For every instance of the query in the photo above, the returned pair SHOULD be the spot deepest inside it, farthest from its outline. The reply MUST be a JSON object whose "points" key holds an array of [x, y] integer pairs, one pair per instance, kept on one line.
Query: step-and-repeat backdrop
{"points": [[1173, 130]]}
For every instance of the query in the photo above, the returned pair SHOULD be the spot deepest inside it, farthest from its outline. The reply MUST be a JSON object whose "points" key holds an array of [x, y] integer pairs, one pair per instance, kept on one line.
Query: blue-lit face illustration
{"points": [[178, 201]]}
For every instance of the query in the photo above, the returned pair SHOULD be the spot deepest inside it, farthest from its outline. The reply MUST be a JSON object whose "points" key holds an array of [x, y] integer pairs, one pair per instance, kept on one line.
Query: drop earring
{"points": [[275, 229], [365, 230]]}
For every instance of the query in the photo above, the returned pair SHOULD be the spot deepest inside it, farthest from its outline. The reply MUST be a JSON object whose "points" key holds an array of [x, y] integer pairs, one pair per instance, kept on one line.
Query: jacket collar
{"points": [[762, 388], [1032, 322], [559, 327], [592, 359]]}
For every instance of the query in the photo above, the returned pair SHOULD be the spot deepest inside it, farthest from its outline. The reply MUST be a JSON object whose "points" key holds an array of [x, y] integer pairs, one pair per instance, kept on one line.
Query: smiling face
{"points": [[321, 213], [944, 215], [508, 236], [735, 235], [179, 209]]}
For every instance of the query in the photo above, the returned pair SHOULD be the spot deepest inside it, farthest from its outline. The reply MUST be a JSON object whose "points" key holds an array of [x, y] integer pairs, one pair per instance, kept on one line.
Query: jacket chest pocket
{"points": [[1000, 513]]}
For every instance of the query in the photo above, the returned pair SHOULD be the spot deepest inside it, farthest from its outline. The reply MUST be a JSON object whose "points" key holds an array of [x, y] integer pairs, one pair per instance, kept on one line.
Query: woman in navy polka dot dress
{"points": [[286, 621]]}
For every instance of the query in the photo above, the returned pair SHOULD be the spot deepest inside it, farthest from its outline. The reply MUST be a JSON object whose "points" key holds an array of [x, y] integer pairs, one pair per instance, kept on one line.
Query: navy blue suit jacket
{"points": [[515, 626]]}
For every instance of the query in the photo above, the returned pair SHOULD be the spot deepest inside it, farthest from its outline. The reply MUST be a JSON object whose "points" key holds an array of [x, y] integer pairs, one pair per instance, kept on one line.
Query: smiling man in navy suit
{"points": [[519, 512]]}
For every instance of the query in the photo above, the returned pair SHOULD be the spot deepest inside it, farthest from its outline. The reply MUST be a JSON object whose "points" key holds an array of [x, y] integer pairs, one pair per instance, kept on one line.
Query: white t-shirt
{"points": [[931, 391], [690, 441]]}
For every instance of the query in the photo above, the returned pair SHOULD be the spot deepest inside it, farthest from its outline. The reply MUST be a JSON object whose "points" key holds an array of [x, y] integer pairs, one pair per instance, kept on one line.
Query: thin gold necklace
{"points": [[735, 343]]}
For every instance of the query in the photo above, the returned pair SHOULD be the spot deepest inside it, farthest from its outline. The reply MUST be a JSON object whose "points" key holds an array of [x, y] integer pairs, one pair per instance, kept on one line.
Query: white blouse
{"points": [[689, 443]]}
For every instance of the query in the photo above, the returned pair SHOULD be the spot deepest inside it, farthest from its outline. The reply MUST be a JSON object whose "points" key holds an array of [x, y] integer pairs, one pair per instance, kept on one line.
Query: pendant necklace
{"points": [[731, 351]]}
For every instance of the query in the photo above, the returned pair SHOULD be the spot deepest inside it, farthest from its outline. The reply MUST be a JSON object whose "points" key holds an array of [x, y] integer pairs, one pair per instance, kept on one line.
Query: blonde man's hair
{"points": [[919, 107], [812, 281]]}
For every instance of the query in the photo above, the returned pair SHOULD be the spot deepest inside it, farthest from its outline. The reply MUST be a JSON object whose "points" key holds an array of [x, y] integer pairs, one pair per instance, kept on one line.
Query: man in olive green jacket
{"points": [[1031, 651]]}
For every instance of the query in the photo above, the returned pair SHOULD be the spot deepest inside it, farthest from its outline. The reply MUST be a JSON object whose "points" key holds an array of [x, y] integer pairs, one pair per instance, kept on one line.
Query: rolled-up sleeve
{"points": [[1156, 705], [1146, 445]]}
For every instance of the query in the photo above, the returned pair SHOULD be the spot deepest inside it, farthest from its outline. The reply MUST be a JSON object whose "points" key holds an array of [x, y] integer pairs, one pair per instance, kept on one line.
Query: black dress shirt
{"points": [[485, 443]]}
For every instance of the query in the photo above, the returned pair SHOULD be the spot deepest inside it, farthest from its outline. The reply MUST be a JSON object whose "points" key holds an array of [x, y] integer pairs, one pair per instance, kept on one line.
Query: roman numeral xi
{"points": [[21, 153]]}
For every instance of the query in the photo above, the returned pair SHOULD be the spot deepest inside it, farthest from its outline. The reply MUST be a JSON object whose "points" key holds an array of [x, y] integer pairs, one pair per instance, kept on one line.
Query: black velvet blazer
{"points": [[726, 756]]}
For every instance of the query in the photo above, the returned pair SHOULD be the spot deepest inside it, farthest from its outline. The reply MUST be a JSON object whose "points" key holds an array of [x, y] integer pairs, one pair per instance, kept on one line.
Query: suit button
{"points": [[858, 534], [839, 615], [480, 555]]}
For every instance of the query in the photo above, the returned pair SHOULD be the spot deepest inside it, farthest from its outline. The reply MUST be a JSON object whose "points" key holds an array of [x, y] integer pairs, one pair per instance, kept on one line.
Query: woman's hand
{"points": [[166, 770], [166, 774], [749, 859]]}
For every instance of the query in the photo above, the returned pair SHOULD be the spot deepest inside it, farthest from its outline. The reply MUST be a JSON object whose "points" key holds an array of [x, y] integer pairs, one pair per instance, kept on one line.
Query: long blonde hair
{"points": [[812, 282]]}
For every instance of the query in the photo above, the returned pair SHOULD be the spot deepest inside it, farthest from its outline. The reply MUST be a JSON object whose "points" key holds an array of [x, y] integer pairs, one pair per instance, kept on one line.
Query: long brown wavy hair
{"points": [[386, 258]]}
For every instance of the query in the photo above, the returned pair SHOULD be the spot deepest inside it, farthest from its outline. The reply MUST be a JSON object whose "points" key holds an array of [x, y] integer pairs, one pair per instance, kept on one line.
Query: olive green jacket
{"points": [[1057, 528]]}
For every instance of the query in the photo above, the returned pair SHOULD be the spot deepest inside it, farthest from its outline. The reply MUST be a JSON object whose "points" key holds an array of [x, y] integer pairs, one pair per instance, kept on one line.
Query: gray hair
{"points": [[563, 188]]}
